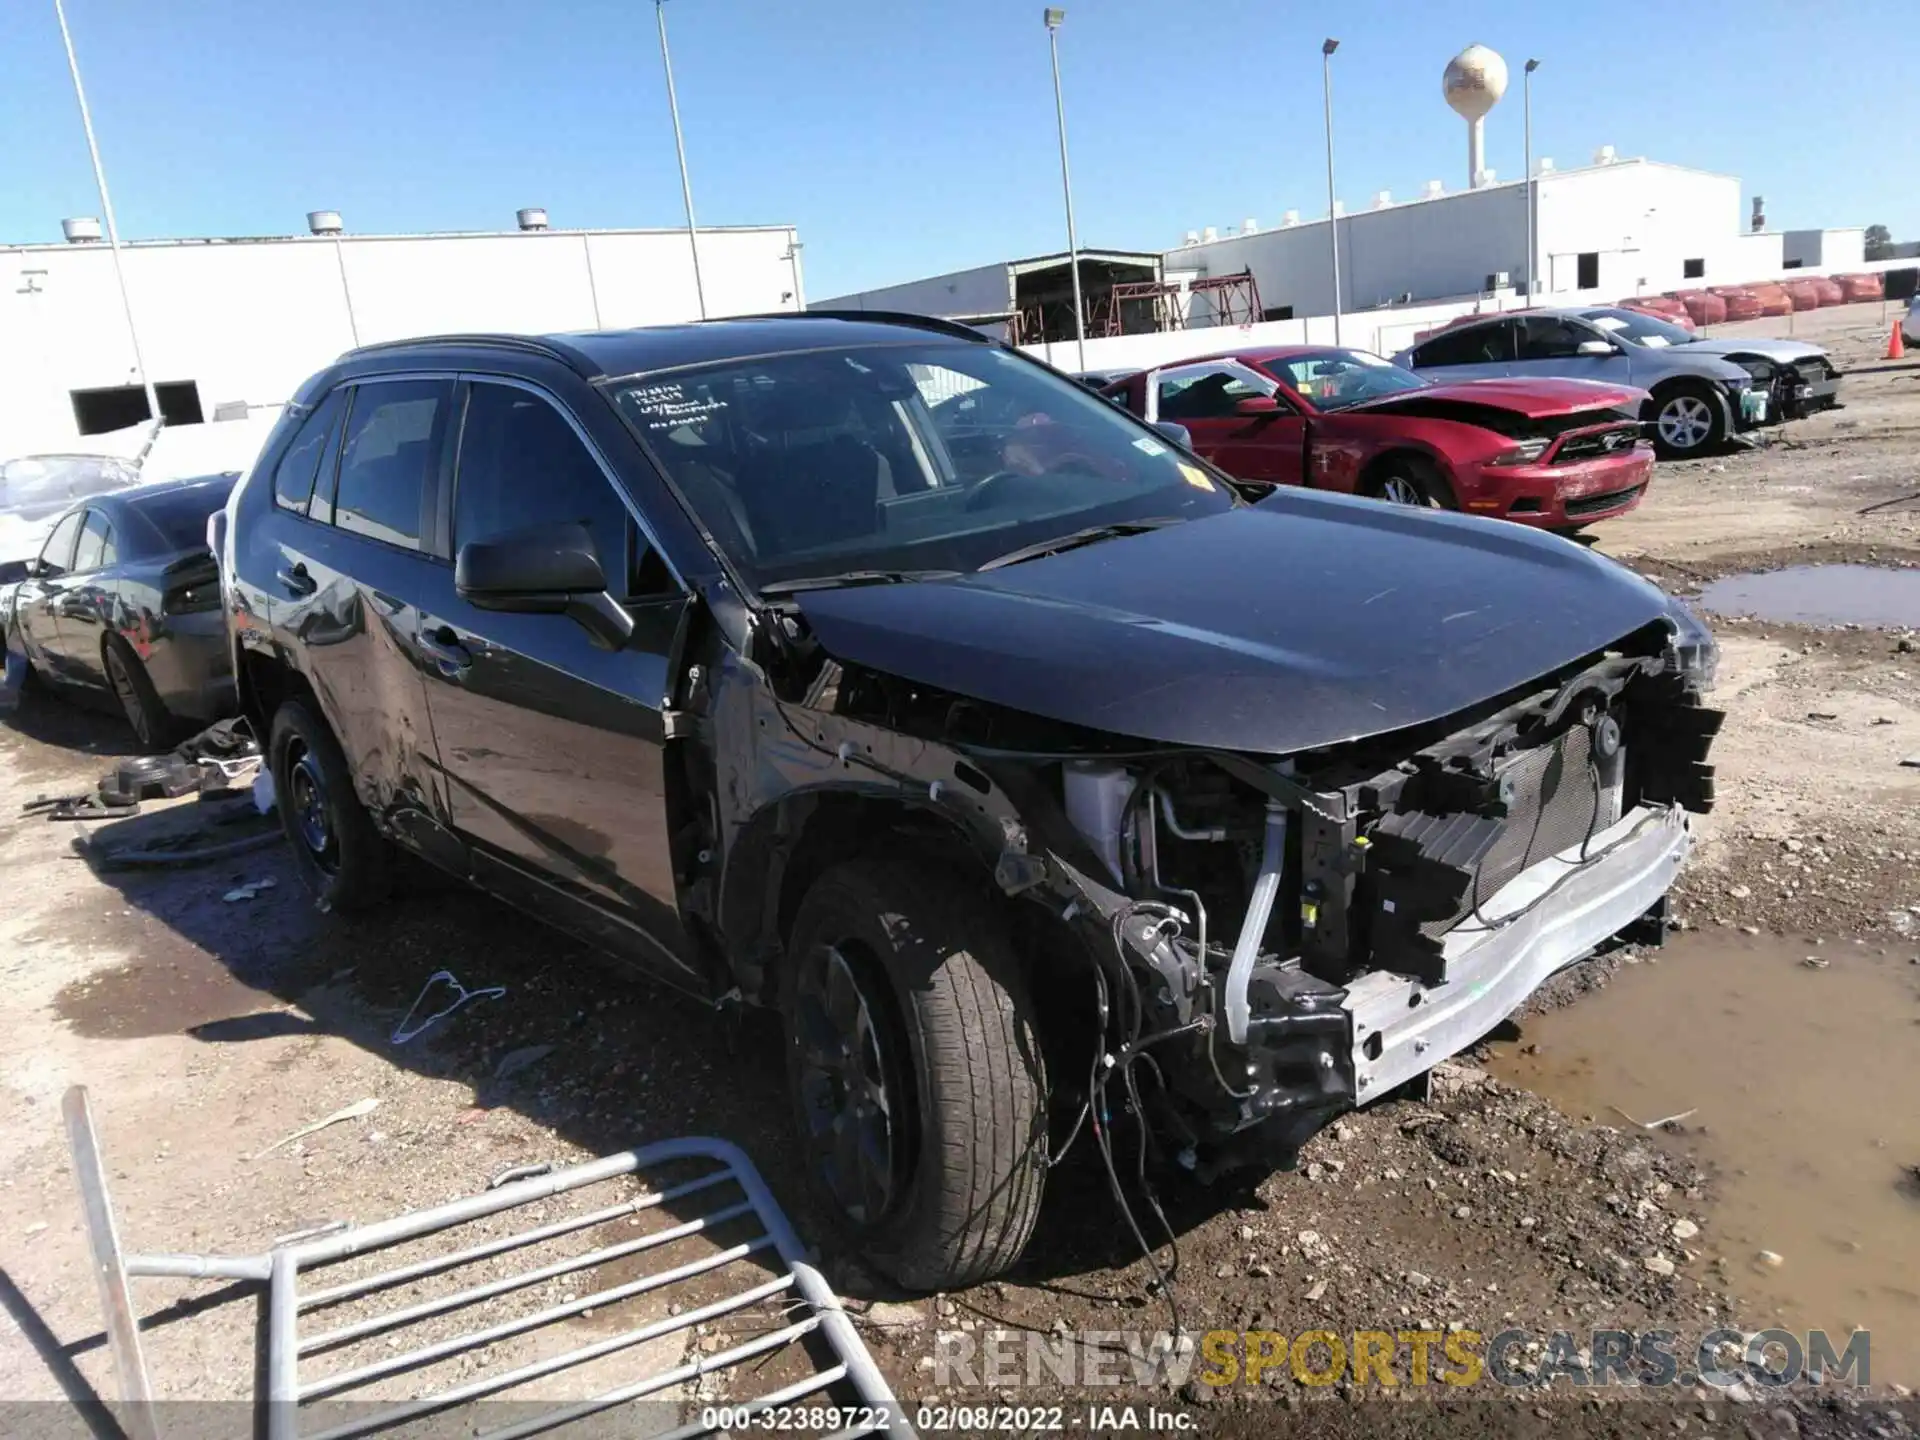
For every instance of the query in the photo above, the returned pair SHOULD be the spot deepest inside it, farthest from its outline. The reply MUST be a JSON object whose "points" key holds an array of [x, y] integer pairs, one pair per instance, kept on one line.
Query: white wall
{"points": [[984, 290], [249, 320]]}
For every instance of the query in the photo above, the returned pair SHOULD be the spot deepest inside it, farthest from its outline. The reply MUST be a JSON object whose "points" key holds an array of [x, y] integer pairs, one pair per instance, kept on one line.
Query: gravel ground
{"points": [[208, 1029]]}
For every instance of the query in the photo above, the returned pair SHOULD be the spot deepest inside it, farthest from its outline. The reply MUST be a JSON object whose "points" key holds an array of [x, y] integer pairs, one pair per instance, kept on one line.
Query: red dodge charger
{"points": [[1558, 454]]}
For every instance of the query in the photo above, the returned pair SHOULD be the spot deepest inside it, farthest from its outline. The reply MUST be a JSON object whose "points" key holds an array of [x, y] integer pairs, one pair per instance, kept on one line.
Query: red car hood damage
{"points": [[1536, 399]]}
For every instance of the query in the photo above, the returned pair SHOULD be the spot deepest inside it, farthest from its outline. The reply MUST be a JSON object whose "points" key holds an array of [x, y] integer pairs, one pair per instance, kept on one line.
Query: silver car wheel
{"points": [[1401, 491], [1685, 422]]}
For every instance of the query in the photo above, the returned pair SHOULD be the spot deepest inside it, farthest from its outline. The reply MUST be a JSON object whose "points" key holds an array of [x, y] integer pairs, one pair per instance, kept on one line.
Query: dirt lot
{"points": [[1513, 1197]]}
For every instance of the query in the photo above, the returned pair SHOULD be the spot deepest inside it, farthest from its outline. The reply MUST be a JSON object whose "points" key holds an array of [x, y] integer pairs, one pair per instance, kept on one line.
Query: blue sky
{"points": [[909, 137]]}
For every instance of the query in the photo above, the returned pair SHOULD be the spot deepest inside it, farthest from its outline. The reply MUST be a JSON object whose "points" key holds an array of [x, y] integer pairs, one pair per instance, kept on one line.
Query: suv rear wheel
{"points": [[343, 859], [914, 1060]]}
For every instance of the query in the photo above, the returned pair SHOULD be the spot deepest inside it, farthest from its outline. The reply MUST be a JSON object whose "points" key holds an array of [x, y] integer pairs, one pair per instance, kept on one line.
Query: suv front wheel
{"points": [[343, 859], [914, 1061]]}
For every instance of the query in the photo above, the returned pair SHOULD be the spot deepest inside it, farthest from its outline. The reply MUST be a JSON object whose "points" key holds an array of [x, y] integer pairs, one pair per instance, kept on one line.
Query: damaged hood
{"points": [[1537, 399], [1302, 622], [1781, 352]]}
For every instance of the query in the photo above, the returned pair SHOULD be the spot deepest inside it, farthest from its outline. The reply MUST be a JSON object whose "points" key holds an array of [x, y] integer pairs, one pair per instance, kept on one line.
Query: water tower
{"points": [[1475, 80]]}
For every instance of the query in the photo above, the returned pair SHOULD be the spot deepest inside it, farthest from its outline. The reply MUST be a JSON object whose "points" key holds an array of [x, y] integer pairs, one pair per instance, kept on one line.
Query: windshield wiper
{"points": [[853, 577], [1092, 535]]}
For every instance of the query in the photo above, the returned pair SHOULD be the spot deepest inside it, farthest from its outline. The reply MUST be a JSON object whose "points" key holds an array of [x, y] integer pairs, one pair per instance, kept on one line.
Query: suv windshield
{"points": [[41, 485], [1638, 327], [1335, 379], [902, 458]]}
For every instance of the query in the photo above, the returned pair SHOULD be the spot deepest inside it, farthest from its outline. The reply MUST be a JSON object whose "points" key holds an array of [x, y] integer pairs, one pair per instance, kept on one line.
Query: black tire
{"points": [[1689, 419], [951, 1038], [153, 724], [1409, 480], [344, 860]]}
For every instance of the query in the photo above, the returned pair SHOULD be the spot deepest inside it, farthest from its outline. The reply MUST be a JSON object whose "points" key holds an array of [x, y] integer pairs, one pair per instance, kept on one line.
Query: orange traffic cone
{"points": [[1896, 344]]}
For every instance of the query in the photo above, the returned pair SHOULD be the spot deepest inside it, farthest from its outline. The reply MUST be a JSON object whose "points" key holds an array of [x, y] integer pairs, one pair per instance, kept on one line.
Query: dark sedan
{"points": [[123, 602]]}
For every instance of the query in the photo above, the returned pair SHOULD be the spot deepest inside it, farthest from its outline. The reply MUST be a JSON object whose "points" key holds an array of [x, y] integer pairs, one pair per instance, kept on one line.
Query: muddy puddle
{"points": [[1803, 1080], [1820, 595], [163, 998]]}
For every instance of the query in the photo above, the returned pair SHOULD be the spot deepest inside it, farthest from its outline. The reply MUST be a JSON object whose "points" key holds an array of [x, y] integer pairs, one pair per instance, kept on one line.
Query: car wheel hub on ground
{"points": [[844, 1093]]}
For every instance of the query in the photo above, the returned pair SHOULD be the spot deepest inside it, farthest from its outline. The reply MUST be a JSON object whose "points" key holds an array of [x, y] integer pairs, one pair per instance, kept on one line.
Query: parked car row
{"points": [[864, 668], [1701, 390], [1550, 453]]}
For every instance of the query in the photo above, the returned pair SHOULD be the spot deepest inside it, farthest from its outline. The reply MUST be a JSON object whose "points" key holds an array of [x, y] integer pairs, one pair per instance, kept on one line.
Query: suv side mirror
{"points": [[547, 570], [12, 572], [1178, 434], [1596, 347], [1256, 405]]}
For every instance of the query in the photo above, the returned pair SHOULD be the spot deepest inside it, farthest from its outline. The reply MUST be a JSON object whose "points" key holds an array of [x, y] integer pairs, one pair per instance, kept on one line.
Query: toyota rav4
{"points": [[861, 667]]}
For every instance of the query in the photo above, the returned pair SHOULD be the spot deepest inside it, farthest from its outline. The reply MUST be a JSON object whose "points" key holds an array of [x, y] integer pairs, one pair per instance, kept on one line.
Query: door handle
{"points": [[297, 580], [443, 647]]}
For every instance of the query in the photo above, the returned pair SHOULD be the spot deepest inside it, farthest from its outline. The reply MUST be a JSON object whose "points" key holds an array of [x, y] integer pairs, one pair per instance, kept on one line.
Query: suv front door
{"points": [[552, 748]]}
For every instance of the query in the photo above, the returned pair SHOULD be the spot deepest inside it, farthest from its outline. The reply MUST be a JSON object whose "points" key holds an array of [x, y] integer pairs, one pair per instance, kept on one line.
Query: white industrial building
{"points": [[1613, 228], [229, 325]]}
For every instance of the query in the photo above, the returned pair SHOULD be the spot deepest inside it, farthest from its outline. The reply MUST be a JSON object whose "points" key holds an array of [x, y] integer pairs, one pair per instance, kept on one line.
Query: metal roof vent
{"points": [[81, 230], [1383, 199], [1339, 207], [532, 218], [1292, 217], [1604, 155], [324, 222], [1435, 189], [1209, 235], [1543, 166], [1249, 226], [1192, 238]]}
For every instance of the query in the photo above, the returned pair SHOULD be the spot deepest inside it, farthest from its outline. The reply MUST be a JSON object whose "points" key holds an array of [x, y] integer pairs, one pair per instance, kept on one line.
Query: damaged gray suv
{"points": [[861, 667]]}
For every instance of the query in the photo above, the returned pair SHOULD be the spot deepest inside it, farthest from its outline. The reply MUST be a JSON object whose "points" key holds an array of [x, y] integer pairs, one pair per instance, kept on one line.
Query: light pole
{"points": [[106, 208], [1527, 110], [680, 146], [1327, 47], [1053, 18]]}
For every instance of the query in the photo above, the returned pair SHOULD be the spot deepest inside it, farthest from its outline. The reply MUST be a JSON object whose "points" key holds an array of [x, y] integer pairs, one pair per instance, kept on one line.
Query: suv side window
{"points": [[1469, 345], [56, 556], [394, 434], [1206, 393], [293, 477], [1551, 337], [96, 544], [522, 465]]}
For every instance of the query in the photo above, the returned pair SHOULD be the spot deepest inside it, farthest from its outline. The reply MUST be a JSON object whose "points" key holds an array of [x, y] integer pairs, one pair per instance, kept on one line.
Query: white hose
{"points": [[1273, 858]]}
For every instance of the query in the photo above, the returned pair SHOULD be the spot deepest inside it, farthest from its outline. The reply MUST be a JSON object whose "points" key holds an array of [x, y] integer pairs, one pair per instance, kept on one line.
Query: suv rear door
{"points": [[552, 747], [352, 535]]}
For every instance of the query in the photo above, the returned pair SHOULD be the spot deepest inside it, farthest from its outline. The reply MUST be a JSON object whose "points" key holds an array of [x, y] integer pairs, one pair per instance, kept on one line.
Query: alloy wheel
{"points": [[1685, 422], [128, 696], [846, 1099], [1401, 490]]}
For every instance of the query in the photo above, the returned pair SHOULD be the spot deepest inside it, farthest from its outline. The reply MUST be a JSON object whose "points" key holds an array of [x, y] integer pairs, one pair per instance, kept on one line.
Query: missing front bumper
{"points": [[1549, 916]]}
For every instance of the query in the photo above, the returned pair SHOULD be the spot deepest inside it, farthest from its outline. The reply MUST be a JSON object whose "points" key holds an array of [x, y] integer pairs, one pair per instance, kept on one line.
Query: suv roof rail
{"points": [[530, 343], [882, 317]]}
